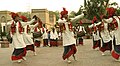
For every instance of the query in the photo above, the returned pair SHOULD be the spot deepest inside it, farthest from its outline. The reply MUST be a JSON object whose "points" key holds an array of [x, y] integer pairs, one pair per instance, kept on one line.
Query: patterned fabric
{"points": [[96, 44], [68, 51], [37, 43], [53, 42], [30, 47], [106, 46], [18, 54], [115, 55]]}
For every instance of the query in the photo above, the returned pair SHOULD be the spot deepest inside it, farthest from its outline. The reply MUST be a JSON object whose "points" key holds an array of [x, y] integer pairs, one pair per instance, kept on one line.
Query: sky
{"points": [[52, 5]]}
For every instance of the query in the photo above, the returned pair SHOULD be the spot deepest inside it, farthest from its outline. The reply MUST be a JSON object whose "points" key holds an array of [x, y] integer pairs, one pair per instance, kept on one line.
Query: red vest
{"points": [[62, 27], [115, 23], [28, 29], [70, 26], [13, 28], [40, 24]]}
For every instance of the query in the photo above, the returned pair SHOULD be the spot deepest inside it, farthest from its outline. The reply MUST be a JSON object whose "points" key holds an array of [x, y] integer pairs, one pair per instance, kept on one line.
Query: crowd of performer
{"points": [[26, 35], [106, 33]]}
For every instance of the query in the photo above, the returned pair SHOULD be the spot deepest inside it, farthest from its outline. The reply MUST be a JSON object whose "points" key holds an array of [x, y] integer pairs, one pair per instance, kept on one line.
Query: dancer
{"points": [[69, 41], [17, 37]]}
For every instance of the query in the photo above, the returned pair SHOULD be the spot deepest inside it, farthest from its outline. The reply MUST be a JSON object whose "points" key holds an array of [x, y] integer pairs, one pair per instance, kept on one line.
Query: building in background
{"points": [[4, 18], [47, 17]]}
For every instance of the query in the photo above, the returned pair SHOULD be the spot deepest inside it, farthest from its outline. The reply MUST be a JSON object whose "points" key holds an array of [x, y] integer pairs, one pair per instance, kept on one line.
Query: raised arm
{"points": [[28, 23], [33, 26], [107, 20], [61, 21], [35, 18], [77, 18]]}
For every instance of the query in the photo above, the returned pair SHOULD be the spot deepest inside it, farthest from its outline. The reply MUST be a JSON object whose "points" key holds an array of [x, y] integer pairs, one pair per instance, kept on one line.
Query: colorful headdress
{"points": [[64, 12], [80, 22], [24, 18], [94, 19], [110, 11], [13, 15]]}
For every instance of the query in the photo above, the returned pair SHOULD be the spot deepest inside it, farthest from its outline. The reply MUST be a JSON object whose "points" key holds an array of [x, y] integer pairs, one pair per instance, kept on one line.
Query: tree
{"points": [[118, 11], [95, 8], [72, 14], [27, 14], [57, 15]]}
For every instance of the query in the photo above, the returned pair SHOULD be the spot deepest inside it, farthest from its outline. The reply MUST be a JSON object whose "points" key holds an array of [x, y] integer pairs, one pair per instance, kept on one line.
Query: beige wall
{"points": [[4, 18], [45, 16]]}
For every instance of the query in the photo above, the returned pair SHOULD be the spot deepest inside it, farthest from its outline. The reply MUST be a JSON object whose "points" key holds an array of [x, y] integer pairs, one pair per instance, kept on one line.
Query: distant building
{"points": [[52, 18], [47, 17], [4, 18]]}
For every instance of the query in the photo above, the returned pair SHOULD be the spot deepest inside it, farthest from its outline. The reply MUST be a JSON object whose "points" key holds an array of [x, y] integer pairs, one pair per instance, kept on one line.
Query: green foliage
{"points": [[57, 15], [95, 8], [27, 14], [72, 14], [118, 11]]}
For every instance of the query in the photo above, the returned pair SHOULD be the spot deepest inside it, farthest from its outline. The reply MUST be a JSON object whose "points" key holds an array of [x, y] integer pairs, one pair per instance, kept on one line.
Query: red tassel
{"points": [[35, 30], [20, 28], [28, 29], [40, 24], [13, 28], [115, 22], [80, 22], [115, 55], [70, 26]]}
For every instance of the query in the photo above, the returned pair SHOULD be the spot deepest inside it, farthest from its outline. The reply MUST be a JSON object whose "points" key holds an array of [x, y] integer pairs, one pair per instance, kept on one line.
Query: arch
{"points": [[3, 19]]}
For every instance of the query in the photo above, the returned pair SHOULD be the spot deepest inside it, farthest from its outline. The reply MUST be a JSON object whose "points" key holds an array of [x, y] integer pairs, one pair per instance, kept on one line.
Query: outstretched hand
{"points": [[84, 12], [35, 17]]}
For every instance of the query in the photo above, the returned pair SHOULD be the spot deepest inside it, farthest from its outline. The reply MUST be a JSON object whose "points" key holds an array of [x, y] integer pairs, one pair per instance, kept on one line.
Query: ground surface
{"points": [[52, 56]]}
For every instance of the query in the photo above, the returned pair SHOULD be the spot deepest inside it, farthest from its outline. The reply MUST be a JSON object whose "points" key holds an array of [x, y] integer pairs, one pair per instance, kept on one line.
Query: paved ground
{"points": [[51, 56]]}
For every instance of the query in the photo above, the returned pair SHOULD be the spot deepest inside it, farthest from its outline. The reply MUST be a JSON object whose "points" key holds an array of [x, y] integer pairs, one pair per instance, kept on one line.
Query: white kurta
{"points": [[117, 32], [68, 38], [105, 34], [27, 37], [96, 36], [18, 41], [45, 35], [53, 35]]}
